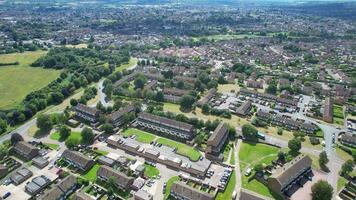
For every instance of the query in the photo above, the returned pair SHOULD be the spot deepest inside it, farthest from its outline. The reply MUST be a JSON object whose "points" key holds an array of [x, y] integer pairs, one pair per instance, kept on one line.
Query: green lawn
{"points": [[103, 153], [341, 182], [232, 157], [220, 37], [131, 63], [52, 146], [151, 171], [91, 174], [17, 81], [74, 135], [338, 114], [142, 136], [250, 155], [182, 149], [229, 189], [169, 185]]}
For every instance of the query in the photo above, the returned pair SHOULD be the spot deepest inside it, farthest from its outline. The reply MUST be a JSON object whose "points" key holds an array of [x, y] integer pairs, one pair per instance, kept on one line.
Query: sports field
{"points": [[16, 81]]}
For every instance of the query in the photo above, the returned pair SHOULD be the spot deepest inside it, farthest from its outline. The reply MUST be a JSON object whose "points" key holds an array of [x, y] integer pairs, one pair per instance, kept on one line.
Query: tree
{"points": [[323, 159], [206, 108], [3, 126], [64, 132], [44, 122], [87, 135], [258, 168], [249, 132], [73, 102], [3, 151], [347, 167], [280, 131], [15, 137], [72, 142], [140, 81], [282, 156], [159, 96], [322, 190], [199, 139], [107, 128], [271, 89], [294, 145], [187, 102]]}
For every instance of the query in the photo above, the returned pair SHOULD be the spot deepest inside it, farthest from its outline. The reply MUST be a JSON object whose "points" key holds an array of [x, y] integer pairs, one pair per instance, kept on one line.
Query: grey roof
{"points": [[105, 160], [187, 192], [60, 188], [165, 121], [141, 194], [216, 138], [26, 148], [349, 138], [86, 109], [118, 114], [207, 96], [37, 184], [285, 174], [121, 179], [244, 108], [78, 158], [82, 196], [175, 91]]}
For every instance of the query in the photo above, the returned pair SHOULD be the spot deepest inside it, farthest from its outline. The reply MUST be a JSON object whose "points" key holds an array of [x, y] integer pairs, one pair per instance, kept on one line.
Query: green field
{"points": [[91, 174], [338, 114], [142, 136], [182, 149], [229, 188], [151, 171], [74, 135], [169, 185], [131, 63], [251, 155], [52, 146], [17, 81]]}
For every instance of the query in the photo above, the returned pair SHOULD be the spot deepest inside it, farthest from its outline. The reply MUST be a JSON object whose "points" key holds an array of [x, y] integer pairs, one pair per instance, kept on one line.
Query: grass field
{"points": [[142, 136], [73, 135], [229, 188], [338, 114], [251, 155], [151, 171], [19, 80], [52, 146], [78, 46], [182, 149], [131, 63], [91, 174], [341, 182], [227, 88], [169, 185]]}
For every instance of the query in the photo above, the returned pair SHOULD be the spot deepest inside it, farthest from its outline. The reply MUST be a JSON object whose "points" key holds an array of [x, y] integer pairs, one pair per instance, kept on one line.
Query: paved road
{"points": [[102, 95], [22, 130]]}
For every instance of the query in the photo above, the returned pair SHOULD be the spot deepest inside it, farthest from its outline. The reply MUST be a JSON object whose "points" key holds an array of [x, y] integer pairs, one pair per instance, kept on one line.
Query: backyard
{"points": [[338, 115], [151, 171], [91, 174]]}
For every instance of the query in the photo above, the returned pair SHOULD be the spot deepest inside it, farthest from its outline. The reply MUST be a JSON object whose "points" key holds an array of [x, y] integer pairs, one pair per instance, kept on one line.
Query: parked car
{"points": [[7, 194]]}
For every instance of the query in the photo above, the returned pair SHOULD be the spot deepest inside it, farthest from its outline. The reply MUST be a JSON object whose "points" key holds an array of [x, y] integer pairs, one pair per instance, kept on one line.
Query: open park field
{"points": [[16, 81], [251, 155], [141, 136], [131, 63]]}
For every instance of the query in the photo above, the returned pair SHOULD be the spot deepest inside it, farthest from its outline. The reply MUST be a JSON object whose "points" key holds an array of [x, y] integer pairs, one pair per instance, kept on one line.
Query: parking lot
{"points": [[214, 180], [305, 191]]}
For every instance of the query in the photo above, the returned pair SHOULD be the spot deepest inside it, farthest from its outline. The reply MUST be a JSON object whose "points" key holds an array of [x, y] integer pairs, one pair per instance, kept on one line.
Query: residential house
{"points": [[216, 142], [161, 124], [328, 110], [290, 174], [26, 150], [182, 191], [86, 113], [37, 184], [244, 109], [61, 190], [207, 97], [117, 118], [348, 139], [122, 180], [78, 160]]}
